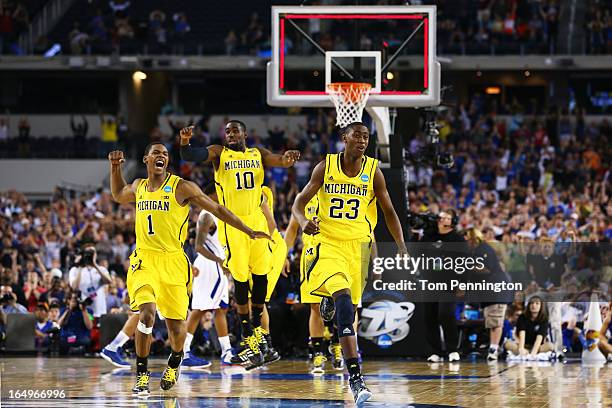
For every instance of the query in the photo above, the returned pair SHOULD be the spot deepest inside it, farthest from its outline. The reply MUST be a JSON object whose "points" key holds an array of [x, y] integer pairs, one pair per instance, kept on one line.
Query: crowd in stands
{"points": [[505, 24], [535, 178], [598, 25], [464, 27], [113, 28]]}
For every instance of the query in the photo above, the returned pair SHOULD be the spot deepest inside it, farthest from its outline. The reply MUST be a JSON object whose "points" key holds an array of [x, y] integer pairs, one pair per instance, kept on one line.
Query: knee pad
{"points": [[241, 292], [345, 315], [143, 328], [260, 287]]}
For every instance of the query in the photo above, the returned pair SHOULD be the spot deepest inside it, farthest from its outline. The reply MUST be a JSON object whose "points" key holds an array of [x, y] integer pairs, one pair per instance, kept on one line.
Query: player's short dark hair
{"points": [[350, 126], [150, 145], [239, 122], [210, 188]]}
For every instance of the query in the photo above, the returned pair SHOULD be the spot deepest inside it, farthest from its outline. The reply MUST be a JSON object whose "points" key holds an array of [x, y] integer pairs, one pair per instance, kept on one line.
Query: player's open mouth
{"points": [[159, 163]]}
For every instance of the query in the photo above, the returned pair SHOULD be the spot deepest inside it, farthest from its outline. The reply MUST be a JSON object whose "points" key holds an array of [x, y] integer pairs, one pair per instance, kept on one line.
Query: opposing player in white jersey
{"points": [[210, 286]]}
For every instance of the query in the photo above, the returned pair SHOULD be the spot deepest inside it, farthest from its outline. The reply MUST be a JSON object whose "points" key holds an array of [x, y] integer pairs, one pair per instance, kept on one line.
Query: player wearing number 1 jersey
{"points": [[346, 184], [160, 275], [239, 176]]}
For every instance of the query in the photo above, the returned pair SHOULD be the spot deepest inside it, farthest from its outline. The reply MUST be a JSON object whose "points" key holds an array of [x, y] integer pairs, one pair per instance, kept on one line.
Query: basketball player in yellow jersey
{"points": [[160, 273], [239, 175], [316, 325], [279, 248], [345, 183], [277, 263]]}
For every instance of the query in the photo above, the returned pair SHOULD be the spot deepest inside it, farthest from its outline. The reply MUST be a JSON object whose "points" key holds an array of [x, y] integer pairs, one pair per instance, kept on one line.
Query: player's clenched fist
{"points": [[291, 156], [116, 157], [186, 134]]}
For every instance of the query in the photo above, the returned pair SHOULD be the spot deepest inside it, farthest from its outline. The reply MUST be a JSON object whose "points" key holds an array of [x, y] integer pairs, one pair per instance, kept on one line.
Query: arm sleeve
{"points": [[194, 154]]}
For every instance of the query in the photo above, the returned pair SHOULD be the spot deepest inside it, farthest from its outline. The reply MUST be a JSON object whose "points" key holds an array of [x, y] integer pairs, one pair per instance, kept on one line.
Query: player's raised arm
{"points": [[286, 159], [391, 218], [310, 227], [122, 192], [189, 192], [197, 154]]}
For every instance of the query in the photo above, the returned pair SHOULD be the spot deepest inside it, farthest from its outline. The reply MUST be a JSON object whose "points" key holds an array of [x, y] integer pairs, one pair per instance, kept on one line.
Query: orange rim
{"points": [[352, 91]]}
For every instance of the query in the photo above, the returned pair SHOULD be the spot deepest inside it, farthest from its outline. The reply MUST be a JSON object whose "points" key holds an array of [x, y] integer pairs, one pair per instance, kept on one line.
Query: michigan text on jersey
{"points": [[345, 188], [153, 205], [242, 164]]}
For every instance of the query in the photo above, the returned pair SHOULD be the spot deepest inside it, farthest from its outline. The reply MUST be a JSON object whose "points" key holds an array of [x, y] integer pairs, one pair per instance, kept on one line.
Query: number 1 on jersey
{"points": [[150, 222]]}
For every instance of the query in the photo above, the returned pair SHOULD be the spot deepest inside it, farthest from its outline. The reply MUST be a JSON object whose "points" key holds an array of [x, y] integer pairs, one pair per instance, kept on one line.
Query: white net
{"points": [[349, 98]]}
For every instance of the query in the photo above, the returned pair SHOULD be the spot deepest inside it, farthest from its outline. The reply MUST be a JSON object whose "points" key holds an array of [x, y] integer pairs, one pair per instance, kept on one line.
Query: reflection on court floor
{"points": [[93, 383]]}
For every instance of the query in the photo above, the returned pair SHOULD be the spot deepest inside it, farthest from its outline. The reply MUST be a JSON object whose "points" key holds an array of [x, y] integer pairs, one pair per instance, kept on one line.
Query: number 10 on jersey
{"points": [[245, 180]]}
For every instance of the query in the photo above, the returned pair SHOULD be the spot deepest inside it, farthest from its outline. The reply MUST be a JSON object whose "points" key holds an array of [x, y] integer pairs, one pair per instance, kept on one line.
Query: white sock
{"points": [[187, 345], [225, 344], [493, 347], [120, 339]]}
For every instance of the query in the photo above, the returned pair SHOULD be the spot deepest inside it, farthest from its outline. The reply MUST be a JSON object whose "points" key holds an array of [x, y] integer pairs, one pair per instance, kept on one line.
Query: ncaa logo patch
{"points": [[365, 178], [167, 189]]}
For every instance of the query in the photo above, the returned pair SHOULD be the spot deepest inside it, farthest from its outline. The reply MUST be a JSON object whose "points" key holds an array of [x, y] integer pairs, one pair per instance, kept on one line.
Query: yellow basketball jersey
{"points": [[238, 180], [344, 201], [310, 211], [372, 214], [161, 223]]}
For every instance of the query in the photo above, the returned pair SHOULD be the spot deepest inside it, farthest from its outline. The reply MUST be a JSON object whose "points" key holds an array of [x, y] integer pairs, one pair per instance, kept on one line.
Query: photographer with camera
{"points": [[8, 304], [76, 324], [436, 230], [89, 279]]}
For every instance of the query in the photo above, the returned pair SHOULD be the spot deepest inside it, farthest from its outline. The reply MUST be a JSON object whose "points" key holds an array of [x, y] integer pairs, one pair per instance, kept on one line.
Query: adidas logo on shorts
{"points": [[346, 331]]}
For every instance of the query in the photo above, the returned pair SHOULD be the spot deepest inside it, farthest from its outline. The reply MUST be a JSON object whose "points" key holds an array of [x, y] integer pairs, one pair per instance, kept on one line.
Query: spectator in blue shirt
{"points": [[46, 330]]}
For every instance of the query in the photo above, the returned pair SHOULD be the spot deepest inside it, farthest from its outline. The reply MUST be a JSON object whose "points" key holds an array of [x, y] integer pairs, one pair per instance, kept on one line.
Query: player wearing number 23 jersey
{"points": [[344, 241], [347, 186]]}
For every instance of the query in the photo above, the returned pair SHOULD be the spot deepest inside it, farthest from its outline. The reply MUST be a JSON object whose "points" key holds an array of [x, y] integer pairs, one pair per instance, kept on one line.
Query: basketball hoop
{"points": [[349, 98]]}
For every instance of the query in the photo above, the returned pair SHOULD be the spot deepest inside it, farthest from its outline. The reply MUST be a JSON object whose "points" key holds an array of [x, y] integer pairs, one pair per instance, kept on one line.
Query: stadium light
{"points": [[139, 76]]}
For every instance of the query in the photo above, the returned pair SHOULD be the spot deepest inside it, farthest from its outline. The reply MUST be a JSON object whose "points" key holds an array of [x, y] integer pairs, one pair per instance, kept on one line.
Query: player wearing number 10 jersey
{"points": [[239, 176], [346, 184]]}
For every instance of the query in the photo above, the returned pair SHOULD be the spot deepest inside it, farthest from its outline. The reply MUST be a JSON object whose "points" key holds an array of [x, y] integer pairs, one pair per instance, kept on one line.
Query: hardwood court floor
{"points": [[92, 382]]}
